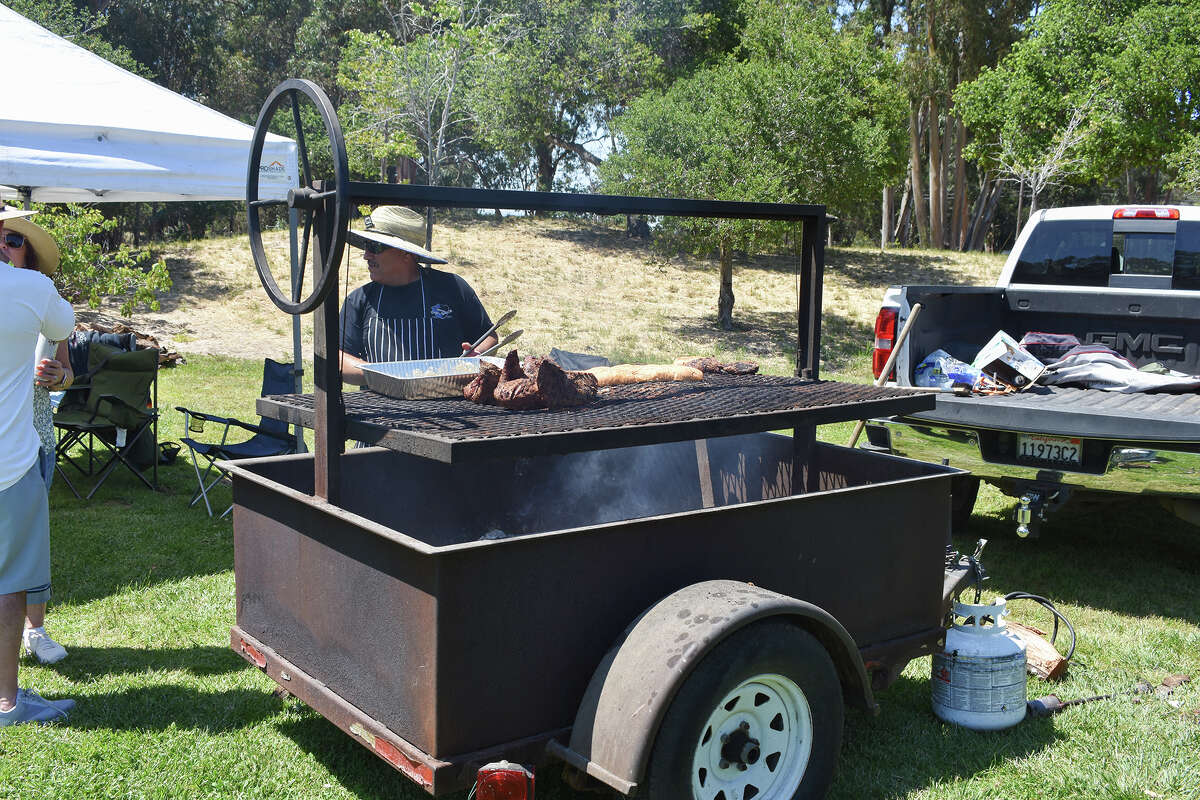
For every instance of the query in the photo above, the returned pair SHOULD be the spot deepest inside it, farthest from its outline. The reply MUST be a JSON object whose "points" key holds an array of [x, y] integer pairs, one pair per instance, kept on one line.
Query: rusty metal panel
{"points": [[458, 643], [346, 605]]}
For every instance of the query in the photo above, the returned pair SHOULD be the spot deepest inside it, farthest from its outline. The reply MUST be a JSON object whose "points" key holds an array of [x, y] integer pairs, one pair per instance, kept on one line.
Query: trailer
{"points": [[654, 589]]}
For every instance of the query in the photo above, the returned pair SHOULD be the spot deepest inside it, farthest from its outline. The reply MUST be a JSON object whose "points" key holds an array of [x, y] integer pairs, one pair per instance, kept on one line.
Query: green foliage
{"points": [[323, 34], [88, 271], [80, 26], [1129, 66], [808, 113], [566, 67]]}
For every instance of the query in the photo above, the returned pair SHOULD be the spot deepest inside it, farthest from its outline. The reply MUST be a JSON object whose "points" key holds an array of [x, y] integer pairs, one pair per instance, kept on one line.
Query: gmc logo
{"points": [[1134, 344]]}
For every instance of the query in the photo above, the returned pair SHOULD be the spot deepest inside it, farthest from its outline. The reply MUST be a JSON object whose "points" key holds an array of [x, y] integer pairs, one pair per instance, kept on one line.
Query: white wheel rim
{"points": [[768, 722]]}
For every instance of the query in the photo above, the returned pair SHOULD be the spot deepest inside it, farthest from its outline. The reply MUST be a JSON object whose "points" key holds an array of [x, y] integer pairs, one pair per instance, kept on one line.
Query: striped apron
{"points": [[409, 338]]}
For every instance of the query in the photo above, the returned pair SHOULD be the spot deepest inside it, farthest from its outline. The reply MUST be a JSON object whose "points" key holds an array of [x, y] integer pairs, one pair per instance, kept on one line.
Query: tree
{"points": [[939, 43], [84, 27], [89, 271], [405, 96], [806, 113], [1130, 64], [569, 65], [324, 33], [255, 41], [175, 39]]}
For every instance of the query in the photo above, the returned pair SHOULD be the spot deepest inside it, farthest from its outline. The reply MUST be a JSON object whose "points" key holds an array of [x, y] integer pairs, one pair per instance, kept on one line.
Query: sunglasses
{"points": [[14, 240], [375, 248]]}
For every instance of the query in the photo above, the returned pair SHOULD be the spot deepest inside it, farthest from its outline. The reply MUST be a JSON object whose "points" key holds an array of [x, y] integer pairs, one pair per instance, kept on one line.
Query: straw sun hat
{"points": [[41, 242], [399, 227]]}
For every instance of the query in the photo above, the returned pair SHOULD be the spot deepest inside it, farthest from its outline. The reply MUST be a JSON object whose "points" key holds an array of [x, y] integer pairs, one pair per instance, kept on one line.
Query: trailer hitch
{"points": [[1036, 505]]}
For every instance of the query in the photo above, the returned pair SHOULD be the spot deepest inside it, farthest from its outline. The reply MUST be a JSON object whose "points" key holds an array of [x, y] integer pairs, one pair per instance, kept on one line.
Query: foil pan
{"points": [[428, 379]]}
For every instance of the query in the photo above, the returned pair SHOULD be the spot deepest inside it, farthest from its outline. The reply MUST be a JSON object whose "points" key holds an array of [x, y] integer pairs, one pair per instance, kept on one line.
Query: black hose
{"points": [[1049, 606]]}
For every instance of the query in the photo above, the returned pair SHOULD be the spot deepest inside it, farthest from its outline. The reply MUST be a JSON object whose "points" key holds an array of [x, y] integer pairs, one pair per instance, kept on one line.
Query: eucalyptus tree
{"points": [[82, 26], [806, 112], [1118, 76], [566, 66], [940, 43], [405, 92]]}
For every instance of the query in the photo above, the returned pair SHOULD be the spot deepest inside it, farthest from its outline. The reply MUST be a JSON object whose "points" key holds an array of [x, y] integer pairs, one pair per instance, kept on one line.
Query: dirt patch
{"points": [[578, 285], [216, 305]]}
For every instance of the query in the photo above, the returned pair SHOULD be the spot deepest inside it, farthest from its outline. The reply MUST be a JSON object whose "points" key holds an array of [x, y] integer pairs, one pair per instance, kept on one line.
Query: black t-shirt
{"points": [[428, 318]]}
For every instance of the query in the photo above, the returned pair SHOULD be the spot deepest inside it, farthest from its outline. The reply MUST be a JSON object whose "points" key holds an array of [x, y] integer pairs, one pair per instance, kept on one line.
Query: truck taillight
{"points": [[1146, 213], [503, 780], [885, 338]]}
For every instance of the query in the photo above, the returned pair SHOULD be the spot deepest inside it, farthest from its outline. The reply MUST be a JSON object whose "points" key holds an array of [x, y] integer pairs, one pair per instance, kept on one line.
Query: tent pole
{"points": [[297, 349]]}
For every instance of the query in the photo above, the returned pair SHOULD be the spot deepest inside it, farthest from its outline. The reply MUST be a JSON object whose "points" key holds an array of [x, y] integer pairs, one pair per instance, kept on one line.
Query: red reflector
{"points": [[1146, 213], [885, 335], [503, 780]]}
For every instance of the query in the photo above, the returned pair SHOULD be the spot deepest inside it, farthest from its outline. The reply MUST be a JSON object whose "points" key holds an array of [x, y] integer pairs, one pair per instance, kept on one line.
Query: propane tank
{"points": [[979, 679]]}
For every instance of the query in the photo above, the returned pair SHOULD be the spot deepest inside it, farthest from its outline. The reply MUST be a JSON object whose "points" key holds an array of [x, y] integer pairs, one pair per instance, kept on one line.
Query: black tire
{"points": [[767, 654], [964, 492]]}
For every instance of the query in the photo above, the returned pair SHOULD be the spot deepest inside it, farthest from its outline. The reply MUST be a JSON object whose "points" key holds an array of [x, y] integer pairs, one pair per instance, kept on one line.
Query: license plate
{"points": [[1051, 449]]}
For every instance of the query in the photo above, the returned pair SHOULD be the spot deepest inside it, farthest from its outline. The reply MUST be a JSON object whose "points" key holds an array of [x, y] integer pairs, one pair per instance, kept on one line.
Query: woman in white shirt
{"points": [[26, 245]]}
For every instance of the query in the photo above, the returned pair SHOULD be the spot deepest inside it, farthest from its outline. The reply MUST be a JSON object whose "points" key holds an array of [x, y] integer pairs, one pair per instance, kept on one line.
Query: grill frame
{"points": [[457, 430]]}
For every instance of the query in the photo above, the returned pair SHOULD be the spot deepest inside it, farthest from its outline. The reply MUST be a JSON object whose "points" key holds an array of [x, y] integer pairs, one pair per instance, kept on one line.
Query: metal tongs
{"points": [[505, 318], [512, 337]]}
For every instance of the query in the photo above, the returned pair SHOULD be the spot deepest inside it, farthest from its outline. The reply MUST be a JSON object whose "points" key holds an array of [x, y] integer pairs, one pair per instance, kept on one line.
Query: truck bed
{"points": [[1068, 411]]}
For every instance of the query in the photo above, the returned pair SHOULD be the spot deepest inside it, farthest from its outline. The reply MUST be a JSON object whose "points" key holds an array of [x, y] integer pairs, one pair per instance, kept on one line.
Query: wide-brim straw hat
{"points": [[399, 227], [36, 238], [12, 212]]}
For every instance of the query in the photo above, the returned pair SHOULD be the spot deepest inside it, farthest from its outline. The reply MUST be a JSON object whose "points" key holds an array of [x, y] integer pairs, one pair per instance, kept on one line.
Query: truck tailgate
{"points": [[1068, 411]]}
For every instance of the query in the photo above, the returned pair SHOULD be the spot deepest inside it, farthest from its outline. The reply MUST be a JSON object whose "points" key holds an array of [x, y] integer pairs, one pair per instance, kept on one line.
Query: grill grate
{"points": [[623, 416]]}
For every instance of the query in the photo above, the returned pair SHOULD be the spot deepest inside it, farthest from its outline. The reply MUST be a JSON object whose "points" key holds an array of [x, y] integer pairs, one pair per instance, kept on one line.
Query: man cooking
{"points": [[407, 311]]}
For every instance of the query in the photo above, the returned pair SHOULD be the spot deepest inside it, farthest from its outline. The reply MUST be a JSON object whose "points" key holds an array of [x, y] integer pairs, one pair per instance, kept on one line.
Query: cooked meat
{"points": [[530, 366], [741, 368], [559, 389], [703, 364], [546, 385], [643, 373], [519, 395], [512, 367], [585, 383], [482, 387], [713, 365]]}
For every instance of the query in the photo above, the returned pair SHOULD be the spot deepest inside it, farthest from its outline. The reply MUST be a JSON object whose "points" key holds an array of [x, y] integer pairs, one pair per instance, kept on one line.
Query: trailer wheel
{"points": [[760, 717], [964, 491]]}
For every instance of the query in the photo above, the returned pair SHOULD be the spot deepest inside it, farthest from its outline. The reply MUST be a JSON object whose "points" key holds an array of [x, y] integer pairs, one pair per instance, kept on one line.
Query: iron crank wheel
{"points": [[760, 717], [323, 205]]}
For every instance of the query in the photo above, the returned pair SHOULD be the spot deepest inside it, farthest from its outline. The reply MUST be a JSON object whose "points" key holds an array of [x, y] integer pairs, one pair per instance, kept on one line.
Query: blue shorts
{"points": [[25, 533], [48, 460]]}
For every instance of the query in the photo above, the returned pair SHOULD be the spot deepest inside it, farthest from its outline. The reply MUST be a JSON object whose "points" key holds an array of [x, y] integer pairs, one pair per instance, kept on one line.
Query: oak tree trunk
{"points": [[725, 299]]}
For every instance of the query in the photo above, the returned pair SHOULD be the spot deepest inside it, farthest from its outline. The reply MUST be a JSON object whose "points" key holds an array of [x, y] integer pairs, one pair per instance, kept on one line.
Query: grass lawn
{"points": [[145, 597]]}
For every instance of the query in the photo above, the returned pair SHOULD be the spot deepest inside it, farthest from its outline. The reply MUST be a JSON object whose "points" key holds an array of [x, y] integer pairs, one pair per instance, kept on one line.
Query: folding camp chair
{"points": [[271, 437], [112, 409]]}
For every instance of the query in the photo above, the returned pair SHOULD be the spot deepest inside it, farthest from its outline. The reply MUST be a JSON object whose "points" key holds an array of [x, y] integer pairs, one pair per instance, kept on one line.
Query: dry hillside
{"points": [[578, 286]]}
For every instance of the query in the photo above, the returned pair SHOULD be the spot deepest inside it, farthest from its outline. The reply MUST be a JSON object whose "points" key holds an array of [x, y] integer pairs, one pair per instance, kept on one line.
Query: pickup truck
{"points": [[1120, 276]]}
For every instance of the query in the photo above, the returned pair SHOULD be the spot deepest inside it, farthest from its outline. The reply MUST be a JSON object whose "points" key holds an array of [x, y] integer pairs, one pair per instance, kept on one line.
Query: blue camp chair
{"points": [[271, 437]]}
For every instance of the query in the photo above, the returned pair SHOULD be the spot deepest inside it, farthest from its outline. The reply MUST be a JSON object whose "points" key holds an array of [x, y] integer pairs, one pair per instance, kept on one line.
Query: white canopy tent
{"points": [[75, 128]]}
